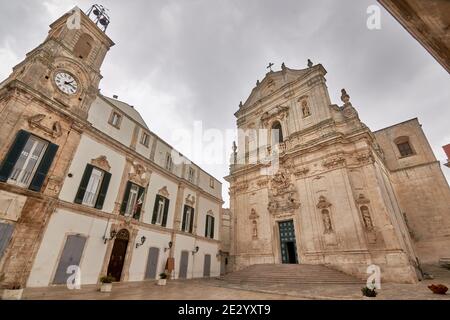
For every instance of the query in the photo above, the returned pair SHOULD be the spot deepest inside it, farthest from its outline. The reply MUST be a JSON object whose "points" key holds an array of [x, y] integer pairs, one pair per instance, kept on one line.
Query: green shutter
{"points": [[166, 212], [212, 227], [192, 220], [103, 190], [126, 195], [13, 154], [155, 209], [206, 226], [83, 184], [44, 166], [137, 214]]}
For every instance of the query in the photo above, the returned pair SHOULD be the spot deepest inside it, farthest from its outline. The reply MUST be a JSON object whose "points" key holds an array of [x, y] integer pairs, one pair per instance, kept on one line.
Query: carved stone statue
{"points": [[327, 221], [366, 218]]}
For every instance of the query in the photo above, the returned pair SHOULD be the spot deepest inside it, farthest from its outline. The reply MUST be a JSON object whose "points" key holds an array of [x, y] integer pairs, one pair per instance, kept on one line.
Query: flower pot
{"points": [[162, 282], [15, 294], [106, 287]]}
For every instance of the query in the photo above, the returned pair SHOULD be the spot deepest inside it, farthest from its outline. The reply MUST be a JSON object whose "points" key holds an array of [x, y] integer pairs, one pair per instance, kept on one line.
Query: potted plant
{"points": [[106, 283], [369, 292], [13, 292], [162, 279]]}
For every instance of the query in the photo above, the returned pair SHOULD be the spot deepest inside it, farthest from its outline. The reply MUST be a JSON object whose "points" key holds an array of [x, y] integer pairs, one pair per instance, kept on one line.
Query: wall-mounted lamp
{"points": [[143, 238], [112, 235], [170, 246], [195, 250]]}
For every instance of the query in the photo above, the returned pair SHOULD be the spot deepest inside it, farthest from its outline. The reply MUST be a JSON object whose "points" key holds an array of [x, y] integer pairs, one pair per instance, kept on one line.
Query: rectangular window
{"points": [[145, 138], [169, 163], [405, 149], [211, 182], [191, 173], [115, 119], [93, 187], [28, 161], [209, 227], [160, 210], [133, 200], [188, 219]]}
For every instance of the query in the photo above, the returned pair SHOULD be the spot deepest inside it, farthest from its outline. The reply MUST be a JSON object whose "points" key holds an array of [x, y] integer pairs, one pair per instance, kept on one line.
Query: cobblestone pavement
{"points": [[216, 289]]}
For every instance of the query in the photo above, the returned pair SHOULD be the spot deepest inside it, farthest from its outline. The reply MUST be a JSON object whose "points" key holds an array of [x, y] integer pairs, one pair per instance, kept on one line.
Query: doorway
{"points": [[184, 265], [288, 245], [118, 253], [152, 263]]}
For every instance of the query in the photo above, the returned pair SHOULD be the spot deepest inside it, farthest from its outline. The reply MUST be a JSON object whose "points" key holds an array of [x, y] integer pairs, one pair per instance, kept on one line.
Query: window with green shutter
{"points": [[28, 161], [93, 187]]}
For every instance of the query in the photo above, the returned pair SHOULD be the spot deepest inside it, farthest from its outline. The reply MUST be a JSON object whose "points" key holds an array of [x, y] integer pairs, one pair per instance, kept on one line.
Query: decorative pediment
{"points": [[362, 199], [277, 113], [102, 163], [139, 174], [36, 121], [275, 80], [190, 200], [163, 192], [323, 203]]}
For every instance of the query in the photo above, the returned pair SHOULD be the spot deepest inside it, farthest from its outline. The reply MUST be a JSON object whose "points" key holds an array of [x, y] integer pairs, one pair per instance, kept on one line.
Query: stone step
{"points": [[295, 274]]}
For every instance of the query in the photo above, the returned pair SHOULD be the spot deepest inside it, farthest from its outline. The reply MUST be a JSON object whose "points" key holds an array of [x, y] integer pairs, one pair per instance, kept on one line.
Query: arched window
{"points": [[84, 46], [277, 133], [404, 146]]}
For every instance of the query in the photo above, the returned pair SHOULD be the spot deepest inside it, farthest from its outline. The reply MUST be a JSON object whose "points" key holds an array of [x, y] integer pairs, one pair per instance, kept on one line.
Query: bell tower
{"points": [[65, 68]]}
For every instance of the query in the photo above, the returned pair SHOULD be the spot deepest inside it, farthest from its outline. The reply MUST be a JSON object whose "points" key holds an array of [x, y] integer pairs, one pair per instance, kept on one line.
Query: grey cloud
{"points": [[180, 61]]}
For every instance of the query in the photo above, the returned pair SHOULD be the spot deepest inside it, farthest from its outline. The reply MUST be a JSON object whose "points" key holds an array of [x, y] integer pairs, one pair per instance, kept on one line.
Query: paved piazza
{"points": [[215, 289]]}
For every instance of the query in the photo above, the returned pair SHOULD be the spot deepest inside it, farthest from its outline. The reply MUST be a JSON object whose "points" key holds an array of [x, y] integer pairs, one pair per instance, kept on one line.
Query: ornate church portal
{"points": [[288, 246]]}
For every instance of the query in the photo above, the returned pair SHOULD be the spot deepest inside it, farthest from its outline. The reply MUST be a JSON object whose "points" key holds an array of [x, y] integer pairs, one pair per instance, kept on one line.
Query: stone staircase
{"points": [[290, 274]]}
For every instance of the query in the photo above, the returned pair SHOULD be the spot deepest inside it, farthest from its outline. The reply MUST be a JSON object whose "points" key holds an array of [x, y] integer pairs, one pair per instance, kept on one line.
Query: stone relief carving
{"points": [[282, 193], [279, 113], [36, 122], [190, 200], [301, 172], [365, 157], [334, 162], [241, 187], [102, 163], [163, 192], [139, 174]]}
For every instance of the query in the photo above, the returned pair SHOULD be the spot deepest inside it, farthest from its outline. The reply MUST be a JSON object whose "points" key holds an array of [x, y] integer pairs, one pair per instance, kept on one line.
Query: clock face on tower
{"points": [[66, 83]]}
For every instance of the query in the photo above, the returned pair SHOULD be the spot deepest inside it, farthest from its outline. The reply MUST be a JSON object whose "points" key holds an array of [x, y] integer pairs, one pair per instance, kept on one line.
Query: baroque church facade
{"points": [[84, 182], [338, 194]]}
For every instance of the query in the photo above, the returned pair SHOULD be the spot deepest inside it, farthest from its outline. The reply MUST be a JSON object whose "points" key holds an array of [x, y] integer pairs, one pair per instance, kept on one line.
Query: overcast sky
{"points": [[182, 61]]}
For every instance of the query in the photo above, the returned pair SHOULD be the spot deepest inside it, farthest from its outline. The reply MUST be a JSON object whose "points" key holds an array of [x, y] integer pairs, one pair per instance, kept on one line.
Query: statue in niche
{"points": [[305, 109], [255, 230], [327, 221], [366, 218]]}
